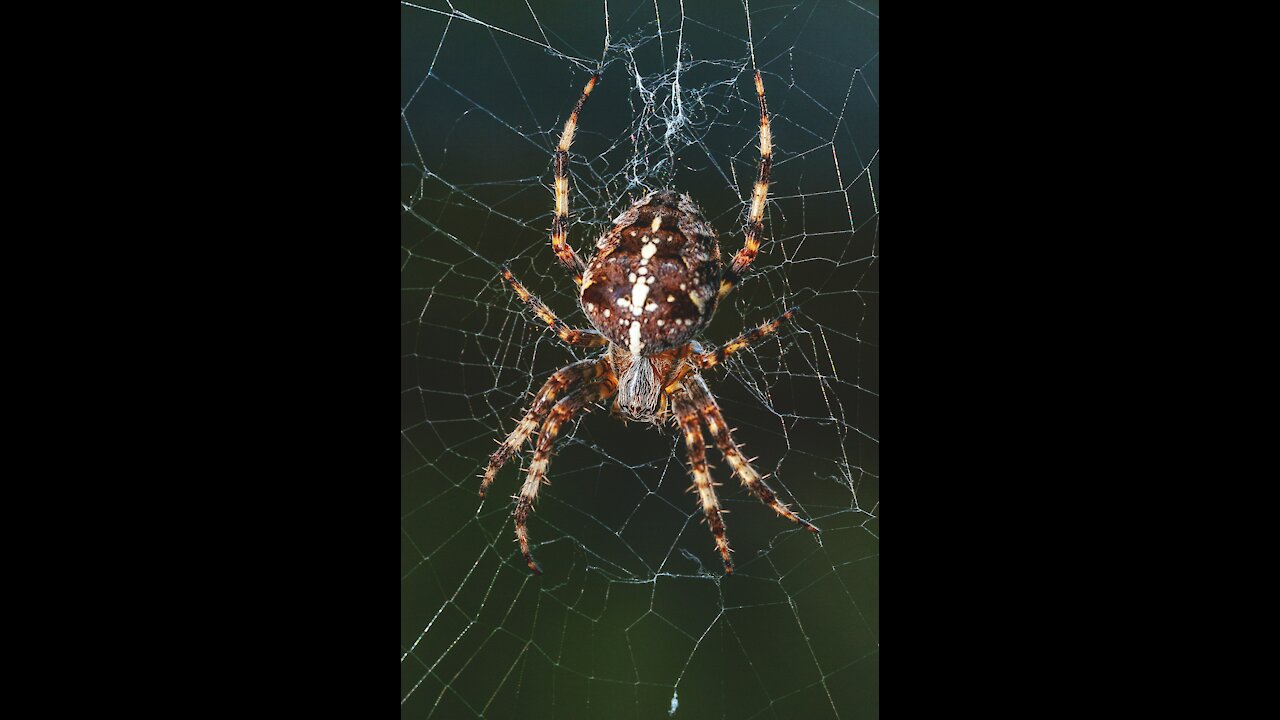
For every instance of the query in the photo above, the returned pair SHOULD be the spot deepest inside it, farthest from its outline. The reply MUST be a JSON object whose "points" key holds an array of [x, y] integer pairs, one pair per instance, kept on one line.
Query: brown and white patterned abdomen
{"points": [[653, 283]]}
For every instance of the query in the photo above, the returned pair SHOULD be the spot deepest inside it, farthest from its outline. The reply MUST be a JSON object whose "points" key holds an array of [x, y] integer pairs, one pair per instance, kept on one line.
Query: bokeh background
{"points": [[633, 617]]}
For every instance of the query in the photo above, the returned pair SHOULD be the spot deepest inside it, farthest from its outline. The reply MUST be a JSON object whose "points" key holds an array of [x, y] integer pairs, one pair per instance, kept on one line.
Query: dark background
{"points": [[633, 605], [276, 559]]}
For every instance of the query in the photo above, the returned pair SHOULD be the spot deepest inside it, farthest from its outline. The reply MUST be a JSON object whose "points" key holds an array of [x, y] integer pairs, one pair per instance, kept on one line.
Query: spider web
{"points": [[633, 616]]}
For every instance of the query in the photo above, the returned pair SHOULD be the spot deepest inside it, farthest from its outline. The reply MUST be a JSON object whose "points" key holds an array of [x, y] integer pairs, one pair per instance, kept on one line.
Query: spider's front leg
{"points": [[562, 412], [563, 379], [710, 412], [687, 417]]}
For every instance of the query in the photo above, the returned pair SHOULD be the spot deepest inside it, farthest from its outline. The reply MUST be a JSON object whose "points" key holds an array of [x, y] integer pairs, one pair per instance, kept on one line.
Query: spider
{"points": [[653, 283]]}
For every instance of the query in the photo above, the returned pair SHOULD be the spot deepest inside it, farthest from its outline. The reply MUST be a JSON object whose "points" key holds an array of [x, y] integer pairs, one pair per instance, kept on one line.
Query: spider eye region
{"points": [[653, 283]]}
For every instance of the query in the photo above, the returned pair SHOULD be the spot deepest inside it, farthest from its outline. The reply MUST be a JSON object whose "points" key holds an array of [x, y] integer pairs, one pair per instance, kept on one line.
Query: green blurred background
{"points": [[633, 609]]}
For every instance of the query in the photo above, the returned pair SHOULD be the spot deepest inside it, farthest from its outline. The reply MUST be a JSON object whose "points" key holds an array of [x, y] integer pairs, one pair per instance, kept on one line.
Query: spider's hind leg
{"points": [[759, 194], [710, 412], [560, 222]]}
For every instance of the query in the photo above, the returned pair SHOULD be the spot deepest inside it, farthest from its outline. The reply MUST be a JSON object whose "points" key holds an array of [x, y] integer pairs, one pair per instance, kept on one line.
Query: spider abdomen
{"points": [[653, 281]]}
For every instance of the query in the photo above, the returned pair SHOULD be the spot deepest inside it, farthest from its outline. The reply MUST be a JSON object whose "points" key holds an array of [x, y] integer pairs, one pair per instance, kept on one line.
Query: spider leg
{"points": [[563, 411], [563, 379], [755, 220], [687, 416], [708, 360], [573, 336], [711, 359], [710, 411], [560, 223]]}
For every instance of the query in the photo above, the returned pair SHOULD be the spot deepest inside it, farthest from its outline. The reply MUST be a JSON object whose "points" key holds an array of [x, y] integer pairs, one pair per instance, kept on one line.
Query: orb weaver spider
{"points": [[654, 282]]}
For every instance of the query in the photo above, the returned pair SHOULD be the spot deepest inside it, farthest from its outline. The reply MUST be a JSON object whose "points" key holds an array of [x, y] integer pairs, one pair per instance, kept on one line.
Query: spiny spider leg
{"points": [[573, 336], [708, 360], [563, 411], [687, 416], [711, 359], [710, 411], [759, 193], [563, 379], [560, 223]]}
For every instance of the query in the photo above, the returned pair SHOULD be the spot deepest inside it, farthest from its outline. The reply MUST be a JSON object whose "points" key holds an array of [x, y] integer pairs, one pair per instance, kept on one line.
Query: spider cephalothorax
{"points": [[652, 285]]}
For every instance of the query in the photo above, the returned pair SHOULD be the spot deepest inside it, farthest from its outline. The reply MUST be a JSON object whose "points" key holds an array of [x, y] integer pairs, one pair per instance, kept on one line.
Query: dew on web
{"points": [[633, 615]]}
